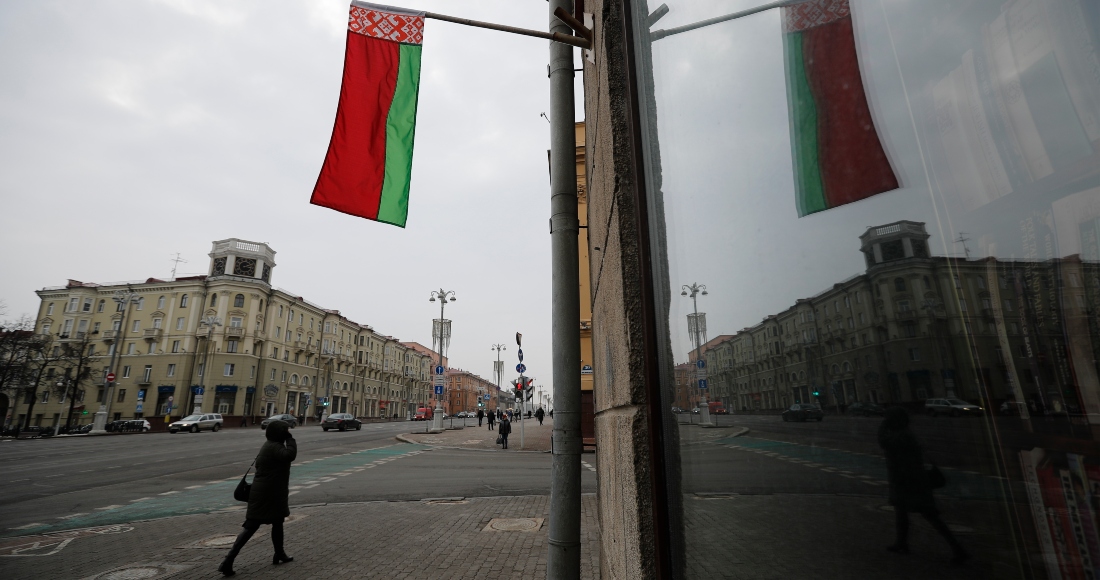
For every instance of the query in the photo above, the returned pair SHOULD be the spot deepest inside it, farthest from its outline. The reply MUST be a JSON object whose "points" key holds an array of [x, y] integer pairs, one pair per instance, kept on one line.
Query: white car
{"points": [[953, 407], [196, 423]]}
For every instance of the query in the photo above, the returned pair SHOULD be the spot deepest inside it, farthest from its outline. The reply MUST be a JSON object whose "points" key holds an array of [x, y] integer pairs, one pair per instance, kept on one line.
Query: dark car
{"points": [[863, 409], [803, 412], [284, 418], [341, 421]]}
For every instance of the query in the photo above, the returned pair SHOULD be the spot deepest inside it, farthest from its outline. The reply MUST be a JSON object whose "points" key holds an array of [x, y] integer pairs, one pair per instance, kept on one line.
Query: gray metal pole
{"points": [[564, 561]]}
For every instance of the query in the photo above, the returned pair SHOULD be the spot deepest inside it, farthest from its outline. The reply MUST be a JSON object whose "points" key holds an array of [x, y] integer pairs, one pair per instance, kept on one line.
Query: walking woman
{"points": [[910, 489], [505, 429], [268, 501]]}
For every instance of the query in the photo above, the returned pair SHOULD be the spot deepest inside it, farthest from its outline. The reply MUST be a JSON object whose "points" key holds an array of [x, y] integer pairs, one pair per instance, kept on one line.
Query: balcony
{"points": [[234, 331], [153, 334], [144, 381], [72, 336], [110, 335], [260, 335]]}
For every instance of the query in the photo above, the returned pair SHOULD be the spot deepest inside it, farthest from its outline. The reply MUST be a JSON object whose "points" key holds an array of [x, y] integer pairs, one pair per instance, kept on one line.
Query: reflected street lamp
{"points": [[694, 290], [124, 298], [211, 322]]}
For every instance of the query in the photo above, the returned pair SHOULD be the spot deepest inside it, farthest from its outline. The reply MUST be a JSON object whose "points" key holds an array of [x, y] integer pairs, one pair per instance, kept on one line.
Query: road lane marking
{"points": [[292, 493], [27, 526], [168, 493], [71, 516], [193, 487], [140, 499], [110, 507]]}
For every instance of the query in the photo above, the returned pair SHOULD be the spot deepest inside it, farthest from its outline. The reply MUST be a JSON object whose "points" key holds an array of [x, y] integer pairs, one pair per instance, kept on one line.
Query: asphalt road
{"points": [[72, 482]]}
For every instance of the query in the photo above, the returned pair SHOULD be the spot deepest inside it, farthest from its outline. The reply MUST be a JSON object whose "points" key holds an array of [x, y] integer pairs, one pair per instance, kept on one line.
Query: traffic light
{"points": [[816, 393]]}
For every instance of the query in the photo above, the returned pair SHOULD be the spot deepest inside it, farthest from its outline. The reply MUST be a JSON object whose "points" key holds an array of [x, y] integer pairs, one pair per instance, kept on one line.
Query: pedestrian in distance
{"points": [[480, 416], [244, 421], [505, 429], [492, 416], [268, 500], [910, 485], [539, 414]]}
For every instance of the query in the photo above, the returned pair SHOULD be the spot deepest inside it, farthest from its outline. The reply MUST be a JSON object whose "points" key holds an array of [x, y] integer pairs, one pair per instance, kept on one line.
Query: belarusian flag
{"points": [[368, 167], [838, 157]]}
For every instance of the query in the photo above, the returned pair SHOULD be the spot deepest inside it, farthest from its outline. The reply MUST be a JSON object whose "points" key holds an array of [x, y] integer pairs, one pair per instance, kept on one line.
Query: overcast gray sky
{"points": [[131, 130]]}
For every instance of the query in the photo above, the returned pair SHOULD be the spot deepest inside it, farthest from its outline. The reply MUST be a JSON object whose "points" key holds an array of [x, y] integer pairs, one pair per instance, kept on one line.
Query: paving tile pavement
{"points": [[409, 540], [535, 437]]}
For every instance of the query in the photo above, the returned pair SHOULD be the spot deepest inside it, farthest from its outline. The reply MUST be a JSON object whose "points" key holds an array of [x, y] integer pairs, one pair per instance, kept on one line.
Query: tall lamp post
{"points": [[498, 369], [124, 298], [443, 296], [211, 322], [694, 290]]}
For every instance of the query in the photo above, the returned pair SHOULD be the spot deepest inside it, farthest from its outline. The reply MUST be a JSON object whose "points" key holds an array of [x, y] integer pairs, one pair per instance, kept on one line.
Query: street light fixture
{"points": [[124, 298], [444, 296], [499, 368], [210, 322], [694, 290]]}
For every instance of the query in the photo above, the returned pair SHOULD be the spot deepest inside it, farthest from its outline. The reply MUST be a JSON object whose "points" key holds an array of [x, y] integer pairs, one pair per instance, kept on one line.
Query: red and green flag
{"points": [[368, 167], [838, 157]]}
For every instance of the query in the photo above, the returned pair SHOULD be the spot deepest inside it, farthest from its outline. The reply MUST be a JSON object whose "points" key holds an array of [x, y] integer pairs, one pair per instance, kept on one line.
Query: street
{"points": [[75, 482], [781, 487]]}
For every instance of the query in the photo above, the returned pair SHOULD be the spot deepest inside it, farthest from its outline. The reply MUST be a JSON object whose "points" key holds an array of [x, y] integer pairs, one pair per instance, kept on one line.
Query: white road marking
{"points": [[71, 516], [193, 487], [168, 493], [27, 526], [309, 486], [110, 507], [292, 493], [140, 499]]}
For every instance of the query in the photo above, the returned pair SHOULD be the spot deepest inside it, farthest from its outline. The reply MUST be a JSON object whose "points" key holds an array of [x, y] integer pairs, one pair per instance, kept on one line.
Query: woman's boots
{"points": [[226, 567]]}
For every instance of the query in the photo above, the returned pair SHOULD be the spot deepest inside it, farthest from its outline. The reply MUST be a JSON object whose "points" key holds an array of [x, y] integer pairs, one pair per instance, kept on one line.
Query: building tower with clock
{"points": [[239, 259]]}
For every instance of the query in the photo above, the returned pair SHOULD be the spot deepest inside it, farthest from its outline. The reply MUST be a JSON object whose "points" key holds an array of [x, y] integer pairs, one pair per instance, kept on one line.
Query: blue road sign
{"points": [[438, 369], [701, 364], [702, 383], [199, 390], [521, 368], [486, 397], [439, 389], [521, 355]]}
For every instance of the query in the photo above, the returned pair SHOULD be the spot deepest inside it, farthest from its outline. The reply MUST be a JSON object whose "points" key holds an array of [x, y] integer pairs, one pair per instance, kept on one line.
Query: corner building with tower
{"points": [[269, 350]]}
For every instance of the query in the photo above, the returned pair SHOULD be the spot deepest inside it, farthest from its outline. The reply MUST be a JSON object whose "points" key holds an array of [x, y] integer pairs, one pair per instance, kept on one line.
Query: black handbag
{"points": [[500, 439], [936, 479], [243, 488]]}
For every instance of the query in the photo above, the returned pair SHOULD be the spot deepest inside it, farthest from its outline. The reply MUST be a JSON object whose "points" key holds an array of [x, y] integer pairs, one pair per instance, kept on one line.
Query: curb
{"points": [[403, 439]]}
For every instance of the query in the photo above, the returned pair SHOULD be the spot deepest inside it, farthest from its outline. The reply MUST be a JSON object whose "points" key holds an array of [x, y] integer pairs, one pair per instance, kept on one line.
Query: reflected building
{"points": [[915, 326]]}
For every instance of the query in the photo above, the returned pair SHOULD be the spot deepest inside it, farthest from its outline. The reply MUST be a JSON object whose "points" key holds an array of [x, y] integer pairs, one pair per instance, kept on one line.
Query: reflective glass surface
{"points": [[876, 231]]}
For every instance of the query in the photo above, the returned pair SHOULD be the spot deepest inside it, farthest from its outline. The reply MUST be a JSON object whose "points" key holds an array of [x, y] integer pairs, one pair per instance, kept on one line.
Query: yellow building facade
{"points": [[268, 350]]}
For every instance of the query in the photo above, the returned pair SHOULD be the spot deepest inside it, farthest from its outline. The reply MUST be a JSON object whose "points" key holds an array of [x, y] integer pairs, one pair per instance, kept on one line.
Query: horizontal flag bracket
{"points": [[657, 14], [555, 36]]}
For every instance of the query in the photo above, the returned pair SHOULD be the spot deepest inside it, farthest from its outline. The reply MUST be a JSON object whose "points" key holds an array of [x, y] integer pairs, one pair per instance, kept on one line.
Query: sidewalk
{"points": [[501, 537], [535, 438]]}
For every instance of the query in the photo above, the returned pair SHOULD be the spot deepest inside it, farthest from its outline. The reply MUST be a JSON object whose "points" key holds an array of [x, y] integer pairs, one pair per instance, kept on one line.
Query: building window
{"points": [[213, 300], [157, 322], [236, 322], [183, 301], [899, 285], [1008, 305], [130, 348], [136, 326], [140, 303], [238, 301], [914, 354], [903, 306], [87, 305], [284, 377], [252, 373], [231, 346], [179, 323], [275, 352], [229, 368], [171, 370], [202, 367], [126, 372], [49, 309], [160, 303], [175, 346], [73, 302], [45, 397]]}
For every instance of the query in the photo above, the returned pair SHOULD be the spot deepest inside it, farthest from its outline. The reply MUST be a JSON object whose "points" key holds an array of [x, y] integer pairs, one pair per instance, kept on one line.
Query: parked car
{"points": [[953, 407], [677, 410], [284, 418], [803, 412], [341, 421], [864, 409], [196, 423]]}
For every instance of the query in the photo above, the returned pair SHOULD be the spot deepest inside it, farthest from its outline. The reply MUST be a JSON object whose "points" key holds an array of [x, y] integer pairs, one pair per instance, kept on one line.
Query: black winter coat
{"points": [[505, 427], [268, 502], [909, 486]]}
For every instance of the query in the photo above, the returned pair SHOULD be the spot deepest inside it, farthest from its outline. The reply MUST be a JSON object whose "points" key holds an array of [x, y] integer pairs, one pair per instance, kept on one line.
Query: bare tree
{"points": [[74, 361], [20, 352]]}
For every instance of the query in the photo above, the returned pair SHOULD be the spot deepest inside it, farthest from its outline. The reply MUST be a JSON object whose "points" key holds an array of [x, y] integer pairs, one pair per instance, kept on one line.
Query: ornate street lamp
{"points": [[442, 333]]}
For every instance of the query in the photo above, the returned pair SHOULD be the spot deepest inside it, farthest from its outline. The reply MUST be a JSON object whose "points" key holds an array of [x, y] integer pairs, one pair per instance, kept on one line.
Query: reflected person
{"points": [[269, 499], [910, 489]]}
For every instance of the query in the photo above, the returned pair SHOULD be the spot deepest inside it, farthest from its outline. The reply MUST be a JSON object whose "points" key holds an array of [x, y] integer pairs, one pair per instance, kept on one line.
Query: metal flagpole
{"points": [[659, 34], [564, 561]]}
